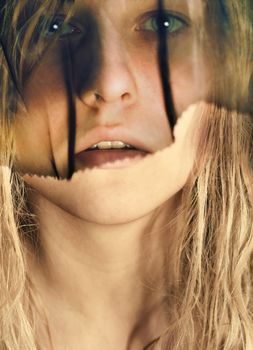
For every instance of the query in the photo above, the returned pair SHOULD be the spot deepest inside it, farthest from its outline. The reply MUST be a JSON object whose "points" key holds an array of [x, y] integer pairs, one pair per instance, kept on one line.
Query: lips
{"points": [[110, 158], [98, 134]]}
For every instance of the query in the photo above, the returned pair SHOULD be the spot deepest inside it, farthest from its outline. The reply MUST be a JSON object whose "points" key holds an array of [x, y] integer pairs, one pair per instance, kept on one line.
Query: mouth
{"points": [[109, 158], [108, 148]]}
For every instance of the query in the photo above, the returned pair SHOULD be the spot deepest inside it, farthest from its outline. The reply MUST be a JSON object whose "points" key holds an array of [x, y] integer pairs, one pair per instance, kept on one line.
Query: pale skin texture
{"points": [[101, 258], [99, 271]]}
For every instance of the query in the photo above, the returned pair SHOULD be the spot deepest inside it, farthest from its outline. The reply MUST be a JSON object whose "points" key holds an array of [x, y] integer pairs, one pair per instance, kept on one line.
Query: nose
{"points": [[114, 80]]}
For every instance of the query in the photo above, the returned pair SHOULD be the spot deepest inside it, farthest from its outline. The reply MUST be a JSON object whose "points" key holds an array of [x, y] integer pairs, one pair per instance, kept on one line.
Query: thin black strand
{"points": [[11, 71], [151, 343], [54, 167], [163, 58], [68, 74]]}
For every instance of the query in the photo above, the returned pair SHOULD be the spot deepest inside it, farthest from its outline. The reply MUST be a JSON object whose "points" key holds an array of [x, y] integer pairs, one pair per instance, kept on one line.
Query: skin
{"points": [[100, 263], [99, 269], [123, 48]]}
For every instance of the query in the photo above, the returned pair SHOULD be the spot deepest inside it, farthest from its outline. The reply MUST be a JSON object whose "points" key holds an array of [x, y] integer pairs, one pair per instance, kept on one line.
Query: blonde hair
{"points": [[209, 292]]}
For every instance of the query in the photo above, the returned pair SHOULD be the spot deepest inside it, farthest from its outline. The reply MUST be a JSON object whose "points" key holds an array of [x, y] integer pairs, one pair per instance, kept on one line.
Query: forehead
{"points": [[124, 4], [191, 8], [128, 9]]}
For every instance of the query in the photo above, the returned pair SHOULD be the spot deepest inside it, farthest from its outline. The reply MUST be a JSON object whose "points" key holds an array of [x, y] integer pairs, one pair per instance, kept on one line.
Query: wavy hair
{"points": [[209, 292]]}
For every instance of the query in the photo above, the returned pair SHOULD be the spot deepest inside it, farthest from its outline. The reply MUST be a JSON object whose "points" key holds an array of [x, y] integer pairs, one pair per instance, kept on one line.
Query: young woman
{"points": [[147, 243]]}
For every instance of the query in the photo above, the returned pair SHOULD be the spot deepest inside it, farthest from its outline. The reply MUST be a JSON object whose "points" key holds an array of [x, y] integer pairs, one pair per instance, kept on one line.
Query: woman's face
{"points": [[118, 94]]}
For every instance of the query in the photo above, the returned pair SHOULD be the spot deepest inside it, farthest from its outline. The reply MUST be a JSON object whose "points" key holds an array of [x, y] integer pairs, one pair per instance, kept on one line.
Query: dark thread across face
{"points": [[76, 83], [80, 68], [78, 54], [163, 58]]}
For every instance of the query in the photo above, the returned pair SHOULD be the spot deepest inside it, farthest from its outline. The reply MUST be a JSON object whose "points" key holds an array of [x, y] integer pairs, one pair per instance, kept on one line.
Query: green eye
{"points": [[58, 26], [171, 23]]}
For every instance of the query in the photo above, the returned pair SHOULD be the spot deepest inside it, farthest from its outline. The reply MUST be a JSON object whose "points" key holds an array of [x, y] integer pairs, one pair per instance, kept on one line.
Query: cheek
{"points": [[37, 129], [187, 71], [32, 144], [186, 86], [186, 89], [187, 74]]}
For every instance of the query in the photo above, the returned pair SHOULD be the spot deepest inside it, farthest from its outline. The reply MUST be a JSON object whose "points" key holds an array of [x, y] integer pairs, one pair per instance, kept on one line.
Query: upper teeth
{"points": [[110, 144]]}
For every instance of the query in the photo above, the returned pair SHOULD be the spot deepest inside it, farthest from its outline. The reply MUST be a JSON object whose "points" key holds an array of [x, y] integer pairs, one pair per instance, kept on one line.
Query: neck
{"points": [[94, 270]]}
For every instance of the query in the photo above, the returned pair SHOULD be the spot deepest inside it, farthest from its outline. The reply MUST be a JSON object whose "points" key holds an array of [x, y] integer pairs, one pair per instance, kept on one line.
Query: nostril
{"points": [[126, 97], [94, 99]]}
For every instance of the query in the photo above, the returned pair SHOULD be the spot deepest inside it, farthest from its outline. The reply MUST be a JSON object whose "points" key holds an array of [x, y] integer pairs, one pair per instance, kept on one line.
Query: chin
{"points": [[110, 207], [110, 217]]}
